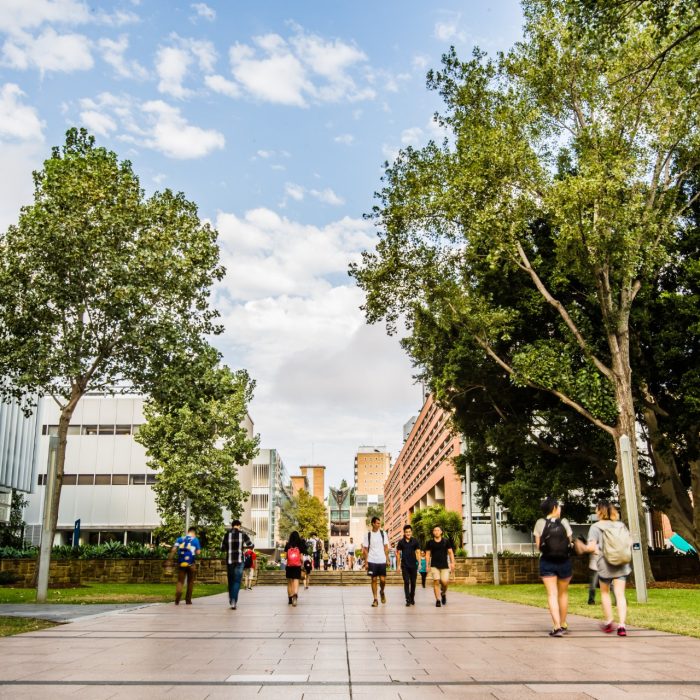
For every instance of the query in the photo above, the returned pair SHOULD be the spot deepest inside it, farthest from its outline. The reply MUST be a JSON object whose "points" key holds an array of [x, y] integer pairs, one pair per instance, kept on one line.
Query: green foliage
{"points": [[423, 521], [195, 441], [11, 532], [374, 512], [7, 578], [305, 514]]}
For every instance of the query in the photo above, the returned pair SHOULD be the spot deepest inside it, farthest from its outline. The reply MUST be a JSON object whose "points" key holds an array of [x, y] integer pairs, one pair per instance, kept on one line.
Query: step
{"points": [[328, 578]]}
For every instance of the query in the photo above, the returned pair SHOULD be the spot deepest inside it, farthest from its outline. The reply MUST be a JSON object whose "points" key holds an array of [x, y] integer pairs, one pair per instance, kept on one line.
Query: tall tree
{"points": [[561, 132], [196, 442], [305, 514], [99, 285], [424, 520]]}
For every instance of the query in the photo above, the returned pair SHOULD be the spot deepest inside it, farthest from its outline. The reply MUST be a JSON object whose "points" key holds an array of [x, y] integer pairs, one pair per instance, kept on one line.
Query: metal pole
{"points": [[188, 503], [494, 542], [640, 579], [44, 562], [470, 520]]}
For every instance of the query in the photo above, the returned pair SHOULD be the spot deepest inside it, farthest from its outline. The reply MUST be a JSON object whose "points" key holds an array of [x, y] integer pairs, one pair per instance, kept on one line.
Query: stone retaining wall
{"points": [[475, 570]]}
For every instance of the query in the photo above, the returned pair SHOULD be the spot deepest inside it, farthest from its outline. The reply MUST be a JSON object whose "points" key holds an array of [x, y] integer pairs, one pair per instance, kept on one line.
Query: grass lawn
{"points": [[109, 593], [17, 625], [669, 610]]}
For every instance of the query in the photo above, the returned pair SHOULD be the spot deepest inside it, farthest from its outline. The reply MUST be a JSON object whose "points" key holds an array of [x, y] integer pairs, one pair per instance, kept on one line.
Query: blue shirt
{"points": [[190, 543]]}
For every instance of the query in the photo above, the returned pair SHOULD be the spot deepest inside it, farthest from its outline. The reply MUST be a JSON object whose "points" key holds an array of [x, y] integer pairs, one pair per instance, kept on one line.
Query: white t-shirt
{"points": [[376, 554]]}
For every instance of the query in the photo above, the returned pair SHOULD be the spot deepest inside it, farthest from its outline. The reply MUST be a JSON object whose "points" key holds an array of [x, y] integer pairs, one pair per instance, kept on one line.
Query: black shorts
{"points": [[293, 572], [375, 570]]}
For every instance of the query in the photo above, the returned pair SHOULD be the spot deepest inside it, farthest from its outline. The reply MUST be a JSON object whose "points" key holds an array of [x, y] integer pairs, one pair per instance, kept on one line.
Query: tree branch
{"points": [[601, 367], [485, 345]]}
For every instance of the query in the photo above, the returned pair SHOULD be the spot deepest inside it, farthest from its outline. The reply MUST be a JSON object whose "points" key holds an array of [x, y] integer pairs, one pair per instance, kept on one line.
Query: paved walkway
{"points": [[57, 612], [334, 645]]}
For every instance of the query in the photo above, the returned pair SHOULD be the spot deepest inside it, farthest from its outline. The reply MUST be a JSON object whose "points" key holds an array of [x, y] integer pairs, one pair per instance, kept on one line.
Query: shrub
{"points": [[8, 577]]}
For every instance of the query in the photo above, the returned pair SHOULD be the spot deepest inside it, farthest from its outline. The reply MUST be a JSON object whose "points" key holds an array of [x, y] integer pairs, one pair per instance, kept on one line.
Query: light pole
{"points": [[640, 579], [494, 542]]}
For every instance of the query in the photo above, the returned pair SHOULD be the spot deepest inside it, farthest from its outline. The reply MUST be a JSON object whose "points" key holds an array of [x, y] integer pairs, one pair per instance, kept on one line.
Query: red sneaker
{"points": [[621, 632], [608, 628]]}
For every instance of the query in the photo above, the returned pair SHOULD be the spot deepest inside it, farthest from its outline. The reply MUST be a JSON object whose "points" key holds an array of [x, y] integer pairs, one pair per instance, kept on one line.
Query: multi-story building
{"points": [[315, 479], [107, 483], [372, 466], [424, 475], [298, 483], [269, 490], [18, 446]]}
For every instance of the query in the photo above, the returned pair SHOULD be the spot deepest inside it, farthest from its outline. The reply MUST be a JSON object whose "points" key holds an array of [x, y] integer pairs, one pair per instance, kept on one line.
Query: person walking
{"points": [[440, 560], [307, 569], [234, 545], [249, 566], [392, 558], [351, 555], [610, 542], [325, 560], [553, 539], [187, 549], [375, 551], [294, 550], [422, 570], [408, 553]]}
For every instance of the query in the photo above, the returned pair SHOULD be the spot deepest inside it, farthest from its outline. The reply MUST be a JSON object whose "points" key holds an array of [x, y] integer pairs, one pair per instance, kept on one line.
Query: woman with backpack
{"points": [[609, 540], [295, 549], [553, 536]]}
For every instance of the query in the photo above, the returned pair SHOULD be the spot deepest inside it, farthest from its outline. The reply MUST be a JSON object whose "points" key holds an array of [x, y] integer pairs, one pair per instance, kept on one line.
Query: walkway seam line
{"points": [[347, 647]]}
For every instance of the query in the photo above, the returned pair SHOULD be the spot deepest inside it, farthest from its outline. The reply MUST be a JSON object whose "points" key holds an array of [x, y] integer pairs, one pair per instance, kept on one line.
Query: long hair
{"points": [[295, 540], [607, 511]]}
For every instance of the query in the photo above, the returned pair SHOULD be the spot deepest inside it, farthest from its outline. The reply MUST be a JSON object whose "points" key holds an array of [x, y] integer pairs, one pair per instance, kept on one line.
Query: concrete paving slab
{"points": [[57, 612], [334, 645]]}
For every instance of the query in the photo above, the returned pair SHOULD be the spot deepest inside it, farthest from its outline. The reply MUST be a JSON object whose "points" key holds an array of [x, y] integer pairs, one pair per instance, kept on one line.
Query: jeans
{"points": [[234, 573], [409, 583]]}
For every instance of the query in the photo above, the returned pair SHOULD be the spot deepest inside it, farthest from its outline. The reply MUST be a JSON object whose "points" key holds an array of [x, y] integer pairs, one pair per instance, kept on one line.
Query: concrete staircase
{"points": [[329, 578]]}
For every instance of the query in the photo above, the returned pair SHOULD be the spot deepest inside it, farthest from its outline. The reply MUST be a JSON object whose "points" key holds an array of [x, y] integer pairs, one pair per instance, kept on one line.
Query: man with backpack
{"points": [[233, 545], [610, 542], [375, 550], [553, 539], [187, 549]]}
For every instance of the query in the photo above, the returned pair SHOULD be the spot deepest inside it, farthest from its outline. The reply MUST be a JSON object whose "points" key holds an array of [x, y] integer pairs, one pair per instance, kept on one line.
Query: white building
{"points": [[269, 489]]}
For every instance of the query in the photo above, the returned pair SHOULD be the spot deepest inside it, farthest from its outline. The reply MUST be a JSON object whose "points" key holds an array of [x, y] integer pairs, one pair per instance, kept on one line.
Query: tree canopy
{"points": [[424, 520], [305, 514]]}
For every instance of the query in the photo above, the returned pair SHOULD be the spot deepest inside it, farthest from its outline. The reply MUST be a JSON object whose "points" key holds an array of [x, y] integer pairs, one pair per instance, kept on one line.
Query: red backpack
{"points": [[293, 556]]}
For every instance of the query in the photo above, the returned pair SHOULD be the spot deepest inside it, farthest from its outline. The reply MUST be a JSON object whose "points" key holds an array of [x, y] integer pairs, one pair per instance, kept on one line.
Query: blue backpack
{"points": [[185, 551]]}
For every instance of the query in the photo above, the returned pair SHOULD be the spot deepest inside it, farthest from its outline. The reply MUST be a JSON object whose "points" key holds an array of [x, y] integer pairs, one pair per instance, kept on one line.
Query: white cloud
{"points": [[18, 121], [327, 196], [448, 28], [304, 68], [294, 191], [18, 15], [420, 62], [204, 11], [346, 139], [222, 85], [301, 334], [412, 136], [172, 135], [18, 162], [49, 51], [173, 66], [113, 51], [265, 154], [98, 122]]}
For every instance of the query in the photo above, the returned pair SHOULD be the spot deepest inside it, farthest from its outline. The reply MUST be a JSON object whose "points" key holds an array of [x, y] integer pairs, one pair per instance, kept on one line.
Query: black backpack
{"points": [[554, 541]]}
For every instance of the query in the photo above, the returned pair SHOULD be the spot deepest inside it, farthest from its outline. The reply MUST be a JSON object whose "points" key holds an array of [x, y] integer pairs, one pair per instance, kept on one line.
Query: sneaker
{"points": [[294, 601], [591, 600], [383, 597], [413, 602], [408, 603], [444, 599], [375, 603], [234, 606], [557, 632], [607, 627], [621, 632], [564, 627], [290, 600], [438, 604]]}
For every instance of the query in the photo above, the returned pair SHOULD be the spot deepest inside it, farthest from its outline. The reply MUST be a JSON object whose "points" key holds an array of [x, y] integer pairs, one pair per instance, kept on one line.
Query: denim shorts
{"points": [[560, 569]]}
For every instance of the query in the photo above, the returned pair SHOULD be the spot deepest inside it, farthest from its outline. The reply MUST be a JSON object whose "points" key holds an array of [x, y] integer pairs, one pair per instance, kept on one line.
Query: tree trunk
{"points": [[678, 505], [66, 415]]}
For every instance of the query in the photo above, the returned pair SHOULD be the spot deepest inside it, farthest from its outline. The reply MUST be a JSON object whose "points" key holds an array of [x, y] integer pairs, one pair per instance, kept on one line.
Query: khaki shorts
{"points": [[442, 575]]}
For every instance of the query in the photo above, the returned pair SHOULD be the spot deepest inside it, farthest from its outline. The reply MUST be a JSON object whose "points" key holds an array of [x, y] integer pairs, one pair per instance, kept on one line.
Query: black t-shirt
{"points": [[408, 549], [438, 553]]}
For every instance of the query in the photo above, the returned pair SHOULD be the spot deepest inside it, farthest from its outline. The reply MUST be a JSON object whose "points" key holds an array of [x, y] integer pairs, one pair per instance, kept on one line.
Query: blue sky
{"points": [[275, 118]]}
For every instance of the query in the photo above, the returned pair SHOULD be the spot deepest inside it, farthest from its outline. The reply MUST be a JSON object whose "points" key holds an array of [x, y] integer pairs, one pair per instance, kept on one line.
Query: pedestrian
{"points": [[408, 552], [325, 560], [392, 558], [187, 549], [553, 539], [610, 541], [295, 549], [422, 570], [308, 568], [375, 550], [334, 559], [440, 559], [249, 567], [234, 545], [351, 555], [318, 545]]}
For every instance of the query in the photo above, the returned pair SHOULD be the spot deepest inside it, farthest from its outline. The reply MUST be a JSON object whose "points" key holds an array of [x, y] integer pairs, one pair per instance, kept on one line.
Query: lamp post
{"points": [[42, 586], [494, 542]]}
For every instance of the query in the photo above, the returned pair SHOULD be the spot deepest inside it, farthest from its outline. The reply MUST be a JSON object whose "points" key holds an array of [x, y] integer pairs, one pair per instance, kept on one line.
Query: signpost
{"points": [[76, 533], [494, 542]]}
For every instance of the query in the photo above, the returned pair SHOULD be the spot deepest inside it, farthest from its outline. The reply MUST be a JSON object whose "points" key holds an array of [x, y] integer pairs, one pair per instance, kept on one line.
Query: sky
{"points": [[275, 118]]}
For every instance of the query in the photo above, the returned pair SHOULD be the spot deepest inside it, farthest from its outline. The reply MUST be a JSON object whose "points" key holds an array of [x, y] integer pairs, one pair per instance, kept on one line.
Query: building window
{"points": [[41, 480], [122, 430], [103, 479], [120, 479], [137, 479], [106, 429], [70, 479], [150, 479], [73, 430], [89, 430], [86, 479]]}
